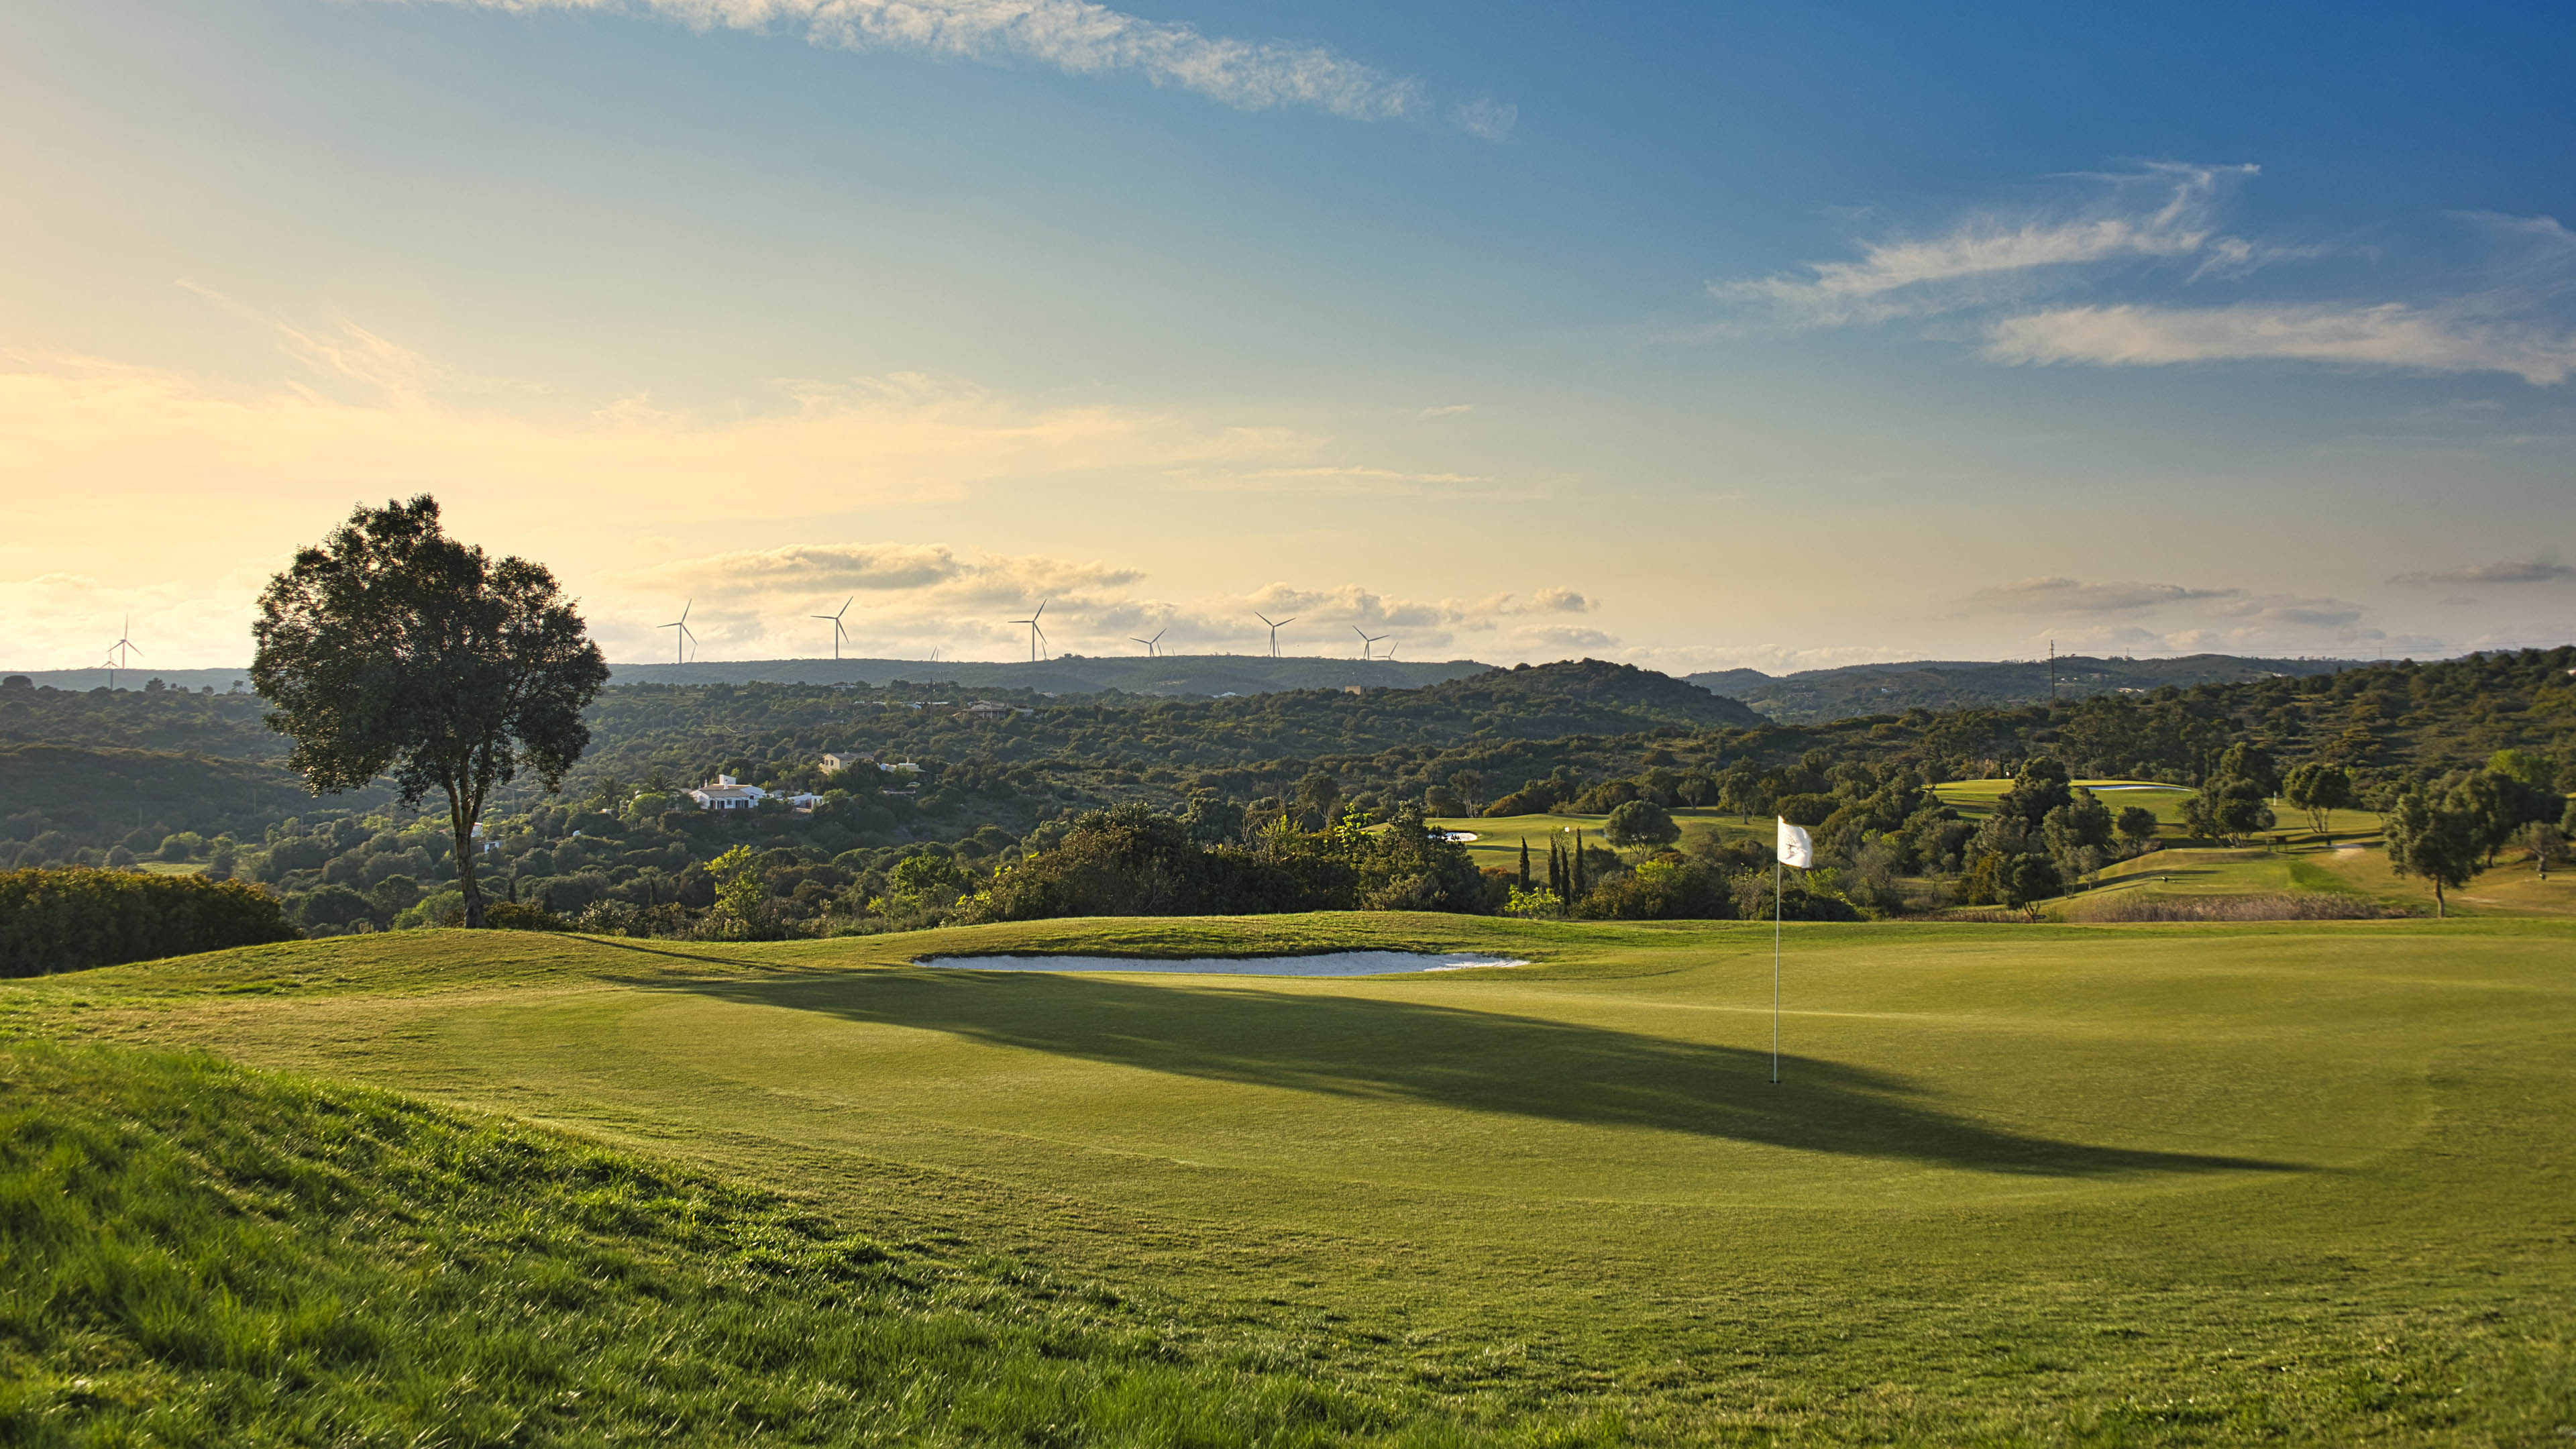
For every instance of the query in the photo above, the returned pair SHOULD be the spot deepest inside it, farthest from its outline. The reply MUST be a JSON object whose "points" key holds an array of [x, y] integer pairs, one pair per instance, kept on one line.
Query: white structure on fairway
{"points": [[728, 794]]}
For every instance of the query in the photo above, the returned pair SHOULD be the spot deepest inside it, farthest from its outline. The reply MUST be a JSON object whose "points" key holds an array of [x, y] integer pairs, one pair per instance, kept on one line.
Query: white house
{"points": [[728, 793]]}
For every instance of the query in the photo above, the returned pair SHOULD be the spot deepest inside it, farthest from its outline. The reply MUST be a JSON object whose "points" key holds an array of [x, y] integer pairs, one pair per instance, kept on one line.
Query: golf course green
{"points": [[2017, 1183]]}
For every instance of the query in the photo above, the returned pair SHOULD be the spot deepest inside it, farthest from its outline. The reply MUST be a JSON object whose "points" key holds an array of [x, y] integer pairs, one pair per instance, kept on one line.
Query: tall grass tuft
{"points": [[2285, 907], [192, 1253]]}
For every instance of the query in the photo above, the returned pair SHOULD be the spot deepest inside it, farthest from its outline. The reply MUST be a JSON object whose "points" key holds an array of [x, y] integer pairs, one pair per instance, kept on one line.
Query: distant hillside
{"points": [[1581, 697], [1173, 675], [103, 797], [1814, 696], [218, 680]]}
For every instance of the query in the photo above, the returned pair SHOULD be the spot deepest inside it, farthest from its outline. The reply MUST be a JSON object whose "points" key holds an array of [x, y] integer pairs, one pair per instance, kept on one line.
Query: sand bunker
{"points": [[1337, 963]]}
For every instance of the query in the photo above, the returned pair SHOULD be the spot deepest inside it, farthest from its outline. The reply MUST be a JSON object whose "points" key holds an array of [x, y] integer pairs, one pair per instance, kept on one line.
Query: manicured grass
{"points": [[2040, 1183], [1497, 845], [1974, 798]]}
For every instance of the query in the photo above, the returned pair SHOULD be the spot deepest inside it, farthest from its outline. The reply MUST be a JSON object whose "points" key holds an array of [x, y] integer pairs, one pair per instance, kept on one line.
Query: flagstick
{"points": [[1775, 968]]}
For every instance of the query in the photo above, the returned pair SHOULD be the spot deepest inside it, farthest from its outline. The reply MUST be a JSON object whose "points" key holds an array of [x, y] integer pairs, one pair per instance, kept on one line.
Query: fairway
{"points": [[2010, 1174]]}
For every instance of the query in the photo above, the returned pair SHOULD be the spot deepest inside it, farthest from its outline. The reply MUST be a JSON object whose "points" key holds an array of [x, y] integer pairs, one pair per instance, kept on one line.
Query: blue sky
{"points": [[1699, 336]]}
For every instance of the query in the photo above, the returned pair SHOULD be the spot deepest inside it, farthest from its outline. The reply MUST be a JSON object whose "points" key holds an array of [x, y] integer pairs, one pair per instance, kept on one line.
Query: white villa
{"points": [[728, 793]]}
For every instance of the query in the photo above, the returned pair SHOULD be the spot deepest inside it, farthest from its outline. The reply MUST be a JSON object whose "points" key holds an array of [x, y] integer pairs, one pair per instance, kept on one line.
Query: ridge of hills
{"points": [[1809, 696], [1170, 675], [1815, 696]]}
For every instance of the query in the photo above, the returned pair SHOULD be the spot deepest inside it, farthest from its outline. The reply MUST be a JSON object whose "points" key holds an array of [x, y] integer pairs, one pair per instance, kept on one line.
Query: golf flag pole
{"points": [[1794, 849]]}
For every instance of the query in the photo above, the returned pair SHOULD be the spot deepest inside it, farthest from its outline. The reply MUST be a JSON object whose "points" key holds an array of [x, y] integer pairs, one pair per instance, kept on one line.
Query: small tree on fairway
{"points": [[2137, 825], [392, 648], [1470, 789], [1640, 822], [2548, 844], [2317, 788], [2436, 843]]}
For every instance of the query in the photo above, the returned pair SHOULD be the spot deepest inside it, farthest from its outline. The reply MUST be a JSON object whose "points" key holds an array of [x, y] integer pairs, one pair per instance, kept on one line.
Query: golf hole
{"points": [[1336, 963]]}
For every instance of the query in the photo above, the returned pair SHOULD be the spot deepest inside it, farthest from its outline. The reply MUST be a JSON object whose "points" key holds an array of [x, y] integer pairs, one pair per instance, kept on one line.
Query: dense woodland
{"points": [[112, 778]]}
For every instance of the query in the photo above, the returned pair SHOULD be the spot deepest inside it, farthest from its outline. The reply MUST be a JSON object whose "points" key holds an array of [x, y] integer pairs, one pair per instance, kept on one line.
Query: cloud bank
{"points": [[2539, 569], [913, 598]]}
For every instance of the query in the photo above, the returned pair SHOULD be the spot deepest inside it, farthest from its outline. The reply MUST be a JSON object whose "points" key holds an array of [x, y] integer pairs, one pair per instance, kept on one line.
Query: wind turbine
{"points": [[1275, 626], [681, 641], [1366, 639], [120, 654], [1036, 634], [838, 633], [1154, 646]]}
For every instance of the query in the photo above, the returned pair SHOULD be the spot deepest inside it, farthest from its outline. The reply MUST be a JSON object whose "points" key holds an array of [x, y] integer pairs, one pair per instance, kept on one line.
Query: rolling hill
{"points": [[1815, 696]]}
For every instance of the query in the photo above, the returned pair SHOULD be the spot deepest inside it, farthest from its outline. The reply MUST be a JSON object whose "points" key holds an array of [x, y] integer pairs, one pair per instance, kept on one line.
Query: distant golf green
{"points": [[2038, 1183]]}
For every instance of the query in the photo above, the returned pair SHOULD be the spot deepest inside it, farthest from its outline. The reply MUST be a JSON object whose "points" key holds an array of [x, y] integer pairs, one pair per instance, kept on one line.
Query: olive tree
{"points": [[394, 649]]}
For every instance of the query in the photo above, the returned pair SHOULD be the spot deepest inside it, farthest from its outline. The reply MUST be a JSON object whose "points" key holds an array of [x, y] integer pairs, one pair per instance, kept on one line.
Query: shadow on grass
{"points": [[1443, 1056]]}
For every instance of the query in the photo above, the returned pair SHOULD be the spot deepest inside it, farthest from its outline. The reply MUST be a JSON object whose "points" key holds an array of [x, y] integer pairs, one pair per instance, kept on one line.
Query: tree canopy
{"points": [[393, 649]]}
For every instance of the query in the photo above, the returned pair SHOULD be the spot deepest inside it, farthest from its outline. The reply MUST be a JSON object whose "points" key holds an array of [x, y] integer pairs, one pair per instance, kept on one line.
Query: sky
{"points": [[1694, 335]]}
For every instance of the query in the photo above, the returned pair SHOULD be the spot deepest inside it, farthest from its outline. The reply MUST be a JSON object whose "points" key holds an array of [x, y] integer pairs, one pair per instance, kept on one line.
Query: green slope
{"points": [[192, 1253], [2134, 1185]]}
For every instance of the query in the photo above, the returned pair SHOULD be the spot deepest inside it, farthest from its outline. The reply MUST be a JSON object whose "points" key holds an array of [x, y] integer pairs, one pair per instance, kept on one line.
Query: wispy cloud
{"points": [[2538, 569], [1490, 120], [2385, 335], [2164, 212], [1080, 37], [2160, 227], [2076, 596]]}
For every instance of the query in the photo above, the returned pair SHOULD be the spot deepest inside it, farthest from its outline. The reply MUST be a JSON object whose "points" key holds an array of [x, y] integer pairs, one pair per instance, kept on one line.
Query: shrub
{"points": [[331, 905], [520, 916], [64, 920], [1660, 890]]}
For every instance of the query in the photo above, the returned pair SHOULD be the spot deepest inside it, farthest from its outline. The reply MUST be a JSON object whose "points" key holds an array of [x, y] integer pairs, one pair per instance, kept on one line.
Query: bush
{"points": [[64, 920], [520, 916], [1660, 890]]}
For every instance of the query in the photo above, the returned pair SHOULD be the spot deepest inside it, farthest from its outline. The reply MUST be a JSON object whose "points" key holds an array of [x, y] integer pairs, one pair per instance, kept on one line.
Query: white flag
{"points": [[1795, 848]]}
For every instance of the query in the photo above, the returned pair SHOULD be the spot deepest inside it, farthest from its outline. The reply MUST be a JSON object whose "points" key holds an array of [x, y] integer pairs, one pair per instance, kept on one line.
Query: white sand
{"points": [[1338, 963]]}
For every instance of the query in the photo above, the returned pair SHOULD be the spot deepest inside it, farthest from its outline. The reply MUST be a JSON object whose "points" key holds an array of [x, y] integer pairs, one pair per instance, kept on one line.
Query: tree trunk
{"points": [[460, 824], [2437, 898]]}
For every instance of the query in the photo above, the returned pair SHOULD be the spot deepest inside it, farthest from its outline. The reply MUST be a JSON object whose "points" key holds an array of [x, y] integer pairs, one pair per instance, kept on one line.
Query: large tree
{"points": [[394, 649]]}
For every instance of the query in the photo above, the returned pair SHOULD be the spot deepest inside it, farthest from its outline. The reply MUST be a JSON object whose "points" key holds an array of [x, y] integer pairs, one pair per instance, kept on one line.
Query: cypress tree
{"points": [[1574, 875], [1525, 876]]}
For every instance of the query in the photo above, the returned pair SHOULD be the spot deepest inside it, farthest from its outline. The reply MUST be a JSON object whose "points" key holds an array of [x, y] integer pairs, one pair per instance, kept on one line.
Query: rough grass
{"points": [[2316, 906], [191, 1253]]}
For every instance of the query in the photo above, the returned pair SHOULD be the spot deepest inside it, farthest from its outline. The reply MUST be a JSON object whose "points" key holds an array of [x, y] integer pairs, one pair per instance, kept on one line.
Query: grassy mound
{"points": [[192, 1253]]}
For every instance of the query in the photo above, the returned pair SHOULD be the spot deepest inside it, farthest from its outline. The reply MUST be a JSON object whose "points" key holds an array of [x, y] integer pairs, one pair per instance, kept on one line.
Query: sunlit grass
{"points": [[2019, 1183]]}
